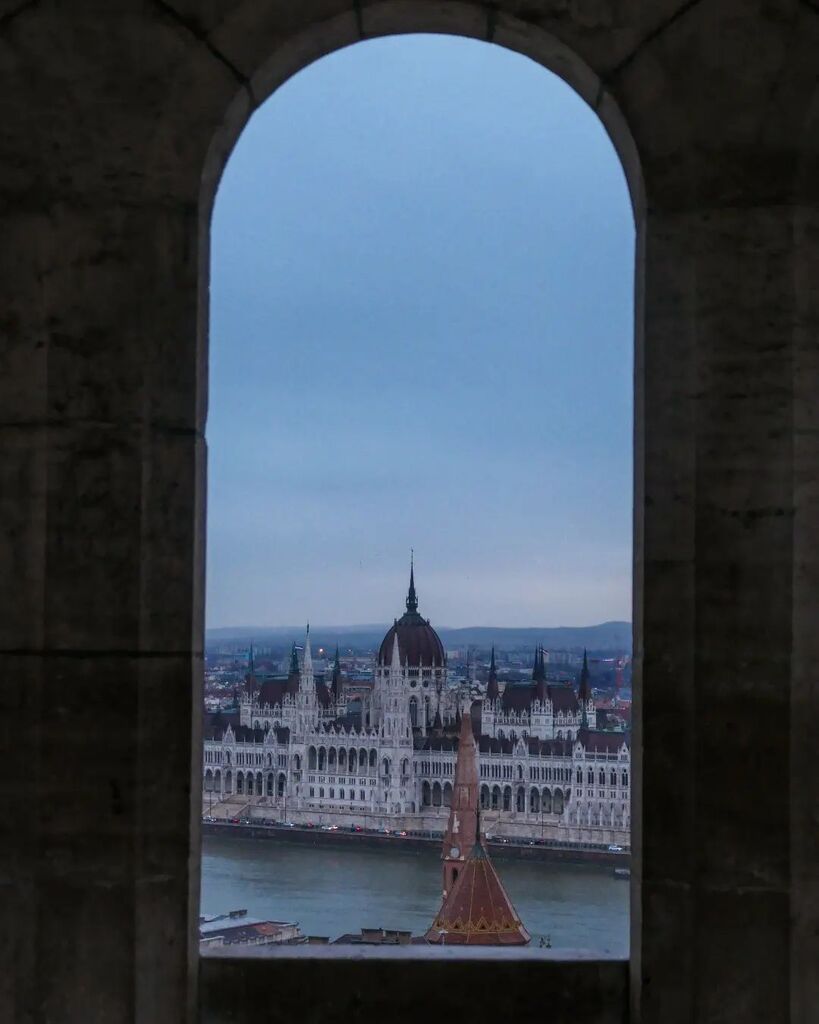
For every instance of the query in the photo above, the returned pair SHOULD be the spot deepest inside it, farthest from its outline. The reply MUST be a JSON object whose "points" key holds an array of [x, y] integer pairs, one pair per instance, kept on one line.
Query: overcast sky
{"points": [[421, 336]]}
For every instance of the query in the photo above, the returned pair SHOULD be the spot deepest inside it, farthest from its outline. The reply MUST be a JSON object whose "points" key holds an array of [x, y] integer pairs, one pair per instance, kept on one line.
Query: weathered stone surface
{"points": [[116, 123]]}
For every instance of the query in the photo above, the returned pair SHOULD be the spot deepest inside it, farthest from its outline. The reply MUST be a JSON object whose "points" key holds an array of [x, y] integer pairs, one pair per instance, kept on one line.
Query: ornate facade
{"points": [[295, 749]]}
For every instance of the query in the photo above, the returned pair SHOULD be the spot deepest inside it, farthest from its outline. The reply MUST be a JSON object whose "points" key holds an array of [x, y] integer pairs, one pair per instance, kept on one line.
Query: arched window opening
{"points": [[528, 356]]}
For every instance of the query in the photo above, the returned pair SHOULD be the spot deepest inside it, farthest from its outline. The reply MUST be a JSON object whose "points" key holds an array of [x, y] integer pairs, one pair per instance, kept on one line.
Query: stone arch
{"points": [[322, 759], [362, 760], [331, 760], [269, 784], [228, 781], [209, 781], [534, 800], [426, 794], [485, 797], [312, 759], [557, 801], [297, 762], [546, 800], [240, 783], [352, 761], [436, 794], [281, 785], [496, 798], [342, 759], [520, 800], [507, 798], [373, 758], [447, 794]]}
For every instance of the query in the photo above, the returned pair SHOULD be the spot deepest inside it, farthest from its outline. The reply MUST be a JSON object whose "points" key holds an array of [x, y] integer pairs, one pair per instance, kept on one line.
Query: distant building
{"points": [[299, 747]]}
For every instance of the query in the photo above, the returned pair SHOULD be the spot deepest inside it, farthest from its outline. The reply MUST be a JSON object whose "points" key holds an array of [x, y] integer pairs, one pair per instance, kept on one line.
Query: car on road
{"points": [[289, 824], [309, 825], [401, 833], [235, 821], [356, 828], [614, 848]]}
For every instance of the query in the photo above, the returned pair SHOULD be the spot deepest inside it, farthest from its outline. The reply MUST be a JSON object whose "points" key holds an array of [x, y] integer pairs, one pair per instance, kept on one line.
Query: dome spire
{"points": [[412, 600]]}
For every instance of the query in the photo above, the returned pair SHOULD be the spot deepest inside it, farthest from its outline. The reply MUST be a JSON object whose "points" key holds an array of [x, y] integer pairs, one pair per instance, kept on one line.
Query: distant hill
{"points": [[607, 636]]}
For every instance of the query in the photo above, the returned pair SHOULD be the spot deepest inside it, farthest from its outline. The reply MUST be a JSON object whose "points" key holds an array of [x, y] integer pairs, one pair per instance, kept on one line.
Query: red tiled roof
{"points": [[478, 912]]}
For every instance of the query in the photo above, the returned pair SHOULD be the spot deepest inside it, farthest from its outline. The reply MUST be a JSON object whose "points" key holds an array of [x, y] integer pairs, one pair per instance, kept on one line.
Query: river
{"points": [[331, 890]]}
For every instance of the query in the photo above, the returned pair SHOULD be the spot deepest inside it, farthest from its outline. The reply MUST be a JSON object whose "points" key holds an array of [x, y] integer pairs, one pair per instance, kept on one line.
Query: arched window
{"points": [[557, 801], [426, 795], [269, 784], [546, 801], [297, 762], [520, 800], [240, 782], [331, 759], [312, 759], [447, 795], [373, 758], [342, 760], [485, 798], [436, 794], [228, 781], [507, 798], [322, 759], [352, 761], [496, 798], [534, 801]]}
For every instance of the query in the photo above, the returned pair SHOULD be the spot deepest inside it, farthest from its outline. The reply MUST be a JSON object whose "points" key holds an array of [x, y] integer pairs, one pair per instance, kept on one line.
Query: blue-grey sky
{"points": [[421, 336]]}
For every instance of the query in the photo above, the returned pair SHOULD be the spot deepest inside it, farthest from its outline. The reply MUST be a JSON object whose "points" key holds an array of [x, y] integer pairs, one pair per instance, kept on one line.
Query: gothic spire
{"points": [[336, 678], [412, 600], [492, 692], [294, 661], [584, 691]]}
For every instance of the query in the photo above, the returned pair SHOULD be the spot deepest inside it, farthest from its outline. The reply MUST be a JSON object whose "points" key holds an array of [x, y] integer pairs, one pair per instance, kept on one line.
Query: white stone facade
{"points": [[295, 753]]}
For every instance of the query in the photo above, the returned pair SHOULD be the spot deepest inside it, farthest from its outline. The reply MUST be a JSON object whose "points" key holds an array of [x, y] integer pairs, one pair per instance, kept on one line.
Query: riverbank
{"points": [[500, 850], [329, 888]]}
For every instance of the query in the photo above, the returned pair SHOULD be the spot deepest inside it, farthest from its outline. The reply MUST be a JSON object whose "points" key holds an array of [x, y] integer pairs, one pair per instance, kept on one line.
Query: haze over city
{"points": [[421, 336]]}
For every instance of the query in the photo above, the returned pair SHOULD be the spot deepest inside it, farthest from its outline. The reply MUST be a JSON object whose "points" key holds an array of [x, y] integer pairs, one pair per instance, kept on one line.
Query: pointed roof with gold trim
{"points": [[478, 911]]}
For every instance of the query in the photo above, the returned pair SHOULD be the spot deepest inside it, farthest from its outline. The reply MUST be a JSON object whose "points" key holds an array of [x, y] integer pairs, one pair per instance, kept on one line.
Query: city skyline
{"points": [[421, 335]]}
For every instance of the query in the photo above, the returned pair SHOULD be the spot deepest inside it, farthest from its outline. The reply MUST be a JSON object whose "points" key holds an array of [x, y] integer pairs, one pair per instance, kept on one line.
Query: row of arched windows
{"points": [[341, 759], [536, 801]]}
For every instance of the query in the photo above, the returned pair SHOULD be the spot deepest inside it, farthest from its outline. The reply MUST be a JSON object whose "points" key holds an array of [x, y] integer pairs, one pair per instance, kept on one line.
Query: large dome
{"points": [[418, 643]]}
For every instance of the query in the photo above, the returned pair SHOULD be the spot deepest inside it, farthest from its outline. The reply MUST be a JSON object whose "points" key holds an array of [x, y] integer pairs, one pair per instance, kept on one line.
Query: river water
{"points": [[331, 890]]}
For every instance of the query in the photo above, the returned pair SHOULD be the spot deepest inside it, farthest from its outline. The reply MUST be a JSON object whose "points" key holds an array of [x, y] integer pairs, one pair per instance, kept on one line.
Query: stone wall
{"points": [[117, 119]]}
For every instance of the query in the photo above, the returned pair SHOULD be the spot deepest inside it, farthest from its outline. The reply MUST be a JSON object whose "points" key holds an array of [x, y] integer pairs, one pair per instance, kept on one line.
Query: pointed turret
{"points": [[584, 691], [539, 670], [476, 911], [541, 693], [463, 811], [250, 677], [492, 691], [307, 660], [396, 654], [335, 683], [412, 599], [294, 675]]}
